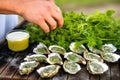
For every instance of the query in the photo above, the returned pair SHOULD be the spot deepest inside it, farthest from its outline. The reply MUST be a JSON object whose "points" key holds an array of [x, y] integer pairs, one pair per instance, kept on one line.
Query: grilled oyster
{"points": [[110, 57], [92, 57], [109, 48], [57, 49], [36, 57], [26, 68], [77, 49], [71, 67], [48, 71], [71, 56], [41, 49], [54, 58], [95, 67]]}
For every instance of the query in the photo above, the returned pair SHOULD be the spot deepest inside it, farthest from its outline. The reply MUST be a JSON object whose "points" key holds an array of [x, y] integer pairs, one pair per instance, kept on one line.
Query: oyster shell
{"points": [[71, 67], [48, 71], [36, 57], [41, 49], [77, 49], [57, 49], [109, 48], [110, 57], [92, 57], [95, 67], [27, 67], [71, 56], [95, 50], [54, 58]]}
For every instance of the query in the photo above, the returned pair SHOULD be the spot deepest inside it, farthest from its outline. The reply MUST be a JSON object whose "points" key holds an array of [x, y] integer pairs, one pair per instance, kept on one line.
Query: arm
{"points": [[35, 11]]}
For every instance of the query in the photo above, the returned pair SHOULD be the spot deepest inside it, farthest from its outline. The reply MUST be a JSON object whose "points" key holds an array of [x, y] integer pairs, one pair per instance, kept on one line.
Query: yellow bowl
{"points": [[18, 40]]}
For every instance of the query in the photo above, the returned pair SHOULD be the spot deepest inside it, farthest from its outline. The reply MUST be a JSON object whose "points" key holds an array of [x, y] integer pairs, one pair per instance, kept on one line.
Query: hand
{"points": [[41, 12]]}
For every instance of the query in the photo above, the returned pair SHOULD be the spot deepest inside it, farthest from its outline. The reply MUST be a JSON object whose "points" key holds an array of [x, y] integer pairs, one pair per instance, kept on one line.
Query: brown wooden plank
{"points": [[33, 76], [115, 71], [81, 75], [106, 75], [61, 75], [94, 77]]}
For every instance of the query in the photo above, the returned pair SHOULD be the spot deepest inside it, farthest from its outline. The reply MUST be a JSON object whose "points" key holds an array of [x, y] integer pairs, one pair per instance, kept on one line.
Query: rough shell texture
{"points": [[26, 68], [92, 56], [95, 67], [41, 49], [110, 57], [54, 58], [109, 48], [71, 56], [36, 57], [57, 49], [71, 67], [48, 71], [78, 49]]}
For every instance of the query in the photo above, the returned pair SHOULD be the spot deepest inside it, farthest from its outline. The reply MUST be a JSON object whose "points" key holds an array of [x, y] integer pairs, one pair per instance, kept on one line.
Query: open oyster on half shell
{"points": [[57, 49], [36, 57], [92, 56], [26, 68], [96, 67], [71, 56], [77, 48], [110, 57], [109, 48], [95, 50], [71, 67], [54, 58], [41, 49], [48, 71]]}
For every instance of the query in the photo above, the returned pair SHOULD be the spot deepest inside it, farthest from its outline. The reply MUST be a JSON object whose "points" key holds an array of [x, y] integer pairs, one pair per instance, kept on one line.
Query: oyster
{"points": [[92, 57], [36, 57], [48, 71], [78, 49], [54, 58], [71, 67], [109, 48], [110, 57], [57, 49], [27, 67], [71, 56], [95, 50], [41, 49], [95, 67]]}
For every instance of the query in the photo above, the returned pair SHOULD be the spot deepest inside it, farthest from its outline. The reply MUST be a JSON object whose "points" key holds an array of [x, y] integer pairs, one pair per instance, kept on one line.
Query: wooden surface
{"points": [[10, 61], [9, 70]]}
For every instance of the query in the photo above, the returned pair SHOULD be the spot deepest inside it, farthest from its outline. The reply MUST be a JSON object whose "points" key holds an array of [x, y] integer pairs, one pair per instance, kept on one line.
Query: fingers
{"points": [[51, 22]]}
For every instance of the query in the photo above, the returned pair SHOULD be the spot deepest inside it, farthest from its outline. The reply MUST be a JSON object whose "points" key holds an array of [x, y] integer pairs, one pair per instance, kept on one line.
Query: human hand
{"points": [[41, 12]]}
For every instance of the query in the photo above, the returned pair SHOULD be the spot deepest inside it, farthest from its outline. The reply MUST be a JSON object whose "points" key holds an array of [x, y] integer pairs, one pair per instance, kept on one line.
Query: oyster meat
{"points": [[71, 56], [36, 57], [92, 56], [110, 57], [54, 58], [109, 48], [96, 67], [26, 68], [71, 67], [95, 50], [77, 49], [48, 71], [57, 49], [41, 49]]}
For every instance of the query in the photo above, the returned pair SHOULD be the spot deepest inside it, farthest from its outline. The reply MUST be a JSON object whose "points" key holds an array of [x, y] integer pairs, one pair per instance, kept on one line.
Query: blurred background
{"points": [[88, 6]]}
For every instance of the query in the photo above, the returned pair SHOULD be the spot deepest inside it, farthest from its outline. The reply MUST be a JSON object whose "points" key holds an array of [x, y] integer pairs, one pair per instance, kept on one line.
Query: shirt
{"points": [[7, 23]]}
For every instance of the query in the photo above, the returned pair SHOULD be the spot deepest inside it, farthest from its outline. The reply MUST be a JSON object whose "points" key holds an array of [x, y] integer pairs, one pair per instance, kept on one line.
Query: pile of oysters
{"points": [[56, 57]]}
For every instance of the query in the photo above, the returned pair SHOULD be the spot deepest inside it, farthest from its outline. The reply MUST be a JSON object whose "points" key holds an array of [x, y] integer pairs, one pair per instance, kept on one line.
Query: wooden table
{"points": [[10, 61]]}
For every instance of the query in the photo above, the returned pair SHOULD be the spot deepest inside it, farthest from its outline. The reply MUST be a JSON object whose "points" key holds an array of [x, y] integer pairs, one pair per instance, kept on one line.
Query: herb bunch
{"points": [[91, 30]]}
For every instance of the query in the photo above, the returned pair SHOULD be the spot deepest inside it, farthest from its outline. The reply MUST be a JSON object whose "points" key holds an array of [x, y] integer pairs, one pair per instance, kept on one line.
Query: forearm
{"points": [[8, 7]]}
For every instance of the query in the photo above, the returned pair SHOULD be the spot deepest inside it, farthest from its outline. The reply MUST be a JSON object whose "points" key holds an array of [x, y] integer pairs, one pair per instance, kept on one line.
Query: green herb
{"points": [[92, 30]]}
